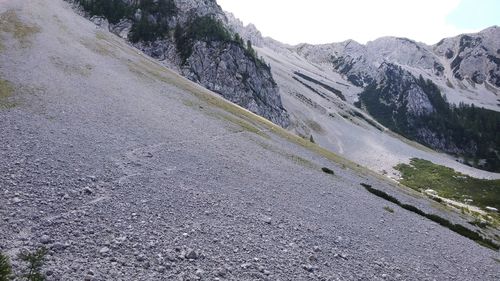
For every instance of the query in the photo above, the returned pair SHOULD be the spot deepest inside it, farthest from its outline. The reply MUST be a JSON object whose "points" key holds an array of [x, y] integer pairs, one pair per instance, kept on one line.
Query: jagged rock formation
{"points": [[401, 92], [213, 57], [473, 57]]}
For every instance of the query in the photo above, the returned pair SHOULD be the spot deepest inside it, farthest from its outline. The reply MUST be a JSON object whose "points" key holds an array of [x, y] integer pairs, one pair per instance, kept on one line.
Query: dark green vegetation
{"points": [[329, 88], [33, 262], [208, 29], [5, 268], [152, 23], [458, 228], [328, 171], [422, 174], [465, 130], [204, 29], [144, 28]]}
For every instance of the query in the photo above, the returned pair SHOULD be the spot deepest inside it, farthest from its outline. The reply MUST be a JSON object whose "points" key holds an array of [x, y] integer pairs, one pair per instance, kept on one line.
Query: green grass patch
{"points": [[422, 175], [458, 228]]}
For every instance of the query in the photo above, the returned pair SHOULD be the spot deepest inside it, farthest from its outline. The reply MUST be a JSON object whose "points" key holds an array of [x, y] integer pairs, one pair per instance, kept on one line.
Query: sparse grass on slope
{"points": [[6, 91], [422, 175], [10, 23], [157, 72]]}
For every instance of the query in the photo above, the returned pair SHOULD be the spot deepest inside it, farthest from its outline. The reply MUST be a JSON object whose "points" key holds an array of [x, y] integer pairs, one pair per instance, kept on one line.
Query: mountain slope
{"points": [[465, 68], [191, 36], [350, 68], [127, 171]]}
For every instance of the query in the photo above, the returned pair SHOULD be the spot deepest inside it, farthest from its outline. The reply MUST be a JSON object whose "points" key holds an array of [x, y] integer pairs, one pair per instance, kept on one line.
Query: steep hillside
{"points": [[125, 170], [191, 36]]}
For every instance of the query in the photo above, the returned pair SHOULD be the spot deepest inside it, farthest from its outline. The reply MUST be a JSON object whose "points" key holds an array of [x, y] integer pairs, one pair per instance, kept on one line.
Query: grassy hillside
{"points": [[422, 175]]}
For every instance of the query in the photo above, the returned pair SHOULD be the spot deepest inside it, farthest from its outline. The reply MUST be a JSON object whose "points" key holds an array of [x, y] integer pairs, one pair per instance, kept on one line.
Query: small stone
{"points": [[59, 246], [103, 250], [317, 249], [191, 254], [17, 200], [87, 190], [140, 258], [308, 267], [45, 239], [161, 269], [246, 265], [221, 272], [267, 220]]}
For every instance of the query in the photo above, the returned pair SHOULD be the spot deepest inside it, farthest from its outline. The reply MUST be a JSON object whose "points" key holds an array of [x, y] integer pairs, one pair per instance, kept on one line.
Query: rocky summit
{"points": [[130, 150]]}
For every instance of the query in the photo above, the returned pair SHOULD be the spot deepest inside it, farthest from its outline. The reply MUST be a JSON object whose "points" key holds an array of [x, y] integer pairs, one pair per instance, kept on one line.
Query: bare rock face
{"points": [[122, 28], [227, 69], [401, 91], [473, 57], [248, 32]]}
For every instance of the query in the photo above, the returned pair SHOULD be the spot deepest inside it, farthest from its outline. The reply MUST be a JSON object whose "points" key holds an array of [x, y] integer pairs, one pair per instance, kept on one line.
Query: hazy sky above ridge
{"points": [[326, 21]]}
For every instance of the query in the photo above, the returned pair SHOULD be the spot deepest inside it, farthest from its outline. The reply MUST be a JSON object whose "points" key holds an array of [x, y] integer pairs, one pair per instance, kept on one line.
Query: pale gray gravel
{"points": [[126, 177]]}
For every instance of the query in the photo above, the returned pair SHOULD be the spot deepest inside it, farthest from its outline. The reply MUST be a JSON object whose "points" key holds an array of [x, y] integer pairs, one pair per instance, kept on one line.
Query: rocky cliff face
{"points": [[209, 53], [247, 32], [227, 69], [401, 91], [473, 57]]}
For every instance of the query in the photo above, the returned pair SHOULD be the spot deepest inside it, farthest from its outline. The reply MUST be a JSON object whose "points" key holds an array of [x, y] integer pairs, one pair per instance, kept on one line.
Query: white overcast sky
{"points": [[326, 21]]}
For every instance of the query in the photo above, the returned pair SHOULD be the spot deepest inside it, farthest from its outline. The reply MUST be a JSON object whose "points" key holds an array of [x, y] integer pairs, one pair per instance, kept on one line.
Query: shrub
{"points": [[328, 171], [34, 261], [5, 268], [203, 28]]}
